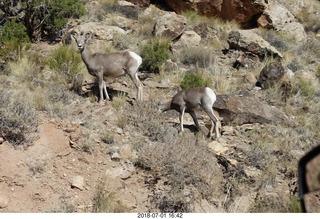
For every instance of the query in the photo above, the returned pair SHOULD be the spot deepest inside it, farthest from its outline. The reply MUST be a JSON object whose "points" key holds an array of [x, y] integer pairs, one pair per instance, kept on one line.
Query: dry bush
{"points": [[278, 203], [309, 19], [186, 162], [219, 27], [184, 159], [222, 79], [105, 202], [200, 56], [146, 22], [107, 137], [25, 69], [18, 117], [124, 41], [119, 102], [88, 145], [281, 41], [149, 121], [54, 99], [309, 51], [64, 207]]}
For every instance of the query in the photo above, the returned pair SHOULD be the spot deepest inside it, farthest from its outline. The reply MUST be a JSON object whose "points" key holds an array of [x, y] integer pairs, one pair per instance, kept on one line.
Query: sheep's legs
{"points": [[214, 121], [138, 84], [181, 118], [195, 120], [102, 90]]}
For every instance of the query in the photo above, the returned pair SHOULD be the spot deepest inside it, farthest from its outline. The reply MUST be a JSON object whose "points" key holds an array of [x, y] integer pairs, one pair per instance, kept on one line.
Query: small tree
{"points": [[13, 38], [13, 31], [42, 18], [154, 54]]}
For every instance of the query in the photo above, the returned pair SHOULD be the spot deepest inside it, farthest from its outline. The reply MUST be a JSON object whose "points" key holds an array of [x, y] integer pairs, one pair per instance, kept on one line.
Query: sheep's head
{"points": [[81, 38]]}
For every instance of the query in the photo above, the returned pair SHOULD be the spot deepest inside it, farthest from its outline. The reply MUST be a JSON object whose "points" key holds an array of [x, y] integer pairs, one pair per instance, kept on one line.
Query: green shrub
{"points": [[67, 62], [12, 31], [13, 39], [18, 117], [42, 17], [304, 86], [154, 54], [191, 80], [59, 11]]}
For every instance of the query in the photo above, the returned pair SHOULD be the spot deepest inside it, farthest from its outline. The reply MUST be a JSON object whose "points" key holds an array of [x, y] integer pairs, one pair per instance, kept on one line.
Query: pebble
{"points": [[78, 182]]}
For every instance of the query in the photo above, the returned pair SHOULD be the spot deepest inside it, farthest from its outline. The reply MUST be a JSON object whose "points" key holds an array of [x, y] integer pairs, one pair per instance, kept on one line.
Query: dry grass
{"points": [[220, 27], [184, 159], [275, 203], [200, 56], [105, 201], [119, 102], [18, 117]]}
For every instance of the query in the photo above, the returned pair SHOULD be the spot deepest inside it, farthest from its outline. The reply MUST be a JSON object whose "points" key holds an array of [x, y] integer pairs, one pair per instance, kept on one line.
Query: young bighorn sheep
{"points": [[112, 65], [188, 100]]}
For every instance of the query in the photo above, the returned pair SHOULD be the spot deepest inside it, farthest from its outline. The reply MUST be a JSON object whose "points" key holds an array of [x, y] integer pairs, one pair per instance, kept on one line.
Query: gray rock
{"points": [[78, 182], [170, 25], [238, 110], [250, 42], [3, 201]]}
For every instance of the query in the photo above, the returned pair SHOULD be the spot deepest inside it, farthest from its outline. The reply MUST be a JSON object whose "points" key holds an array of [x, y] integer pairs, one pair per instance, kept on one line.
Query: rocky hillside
{"points": [[62, 151]]}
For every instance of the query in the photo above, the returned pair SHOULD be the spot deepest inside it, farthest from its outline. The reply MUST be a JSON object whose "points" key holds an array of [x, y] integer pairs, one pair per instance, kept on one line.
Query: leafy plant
{"points": [[12, 31], [191, 80], [66, 61], [13, 40], [42, 17], [154, 54], [304, 86]]}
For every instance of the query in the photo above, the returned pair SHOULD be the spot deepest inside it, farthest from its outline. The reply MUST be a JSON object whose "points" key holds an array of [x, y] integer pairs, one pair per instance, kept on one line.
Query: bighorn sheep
{"points": [[188, 100], [113, 64]]}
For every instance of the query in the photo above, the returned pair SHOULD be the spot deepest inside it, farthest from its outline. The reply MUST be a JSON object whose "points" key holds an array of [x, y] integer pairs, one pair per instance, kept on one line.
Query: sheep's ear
{"points": [[74, 34], [88, 36]]}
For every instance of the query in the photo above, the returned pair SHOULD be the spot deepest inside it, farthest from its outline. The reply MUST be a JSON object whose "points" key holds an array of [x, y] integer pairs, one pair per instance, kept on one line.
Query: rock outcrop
{"points": [[238, 110], [242, 11], [250, 42], [170, 25], [270, 75], [279, 18]]}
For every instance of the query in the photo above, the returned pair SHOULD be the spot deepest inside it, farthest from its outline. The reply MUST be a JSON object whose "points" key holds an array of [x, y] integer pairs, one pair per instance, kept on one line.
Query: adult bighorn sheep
{"points": [[112, 65], [188, 100]]}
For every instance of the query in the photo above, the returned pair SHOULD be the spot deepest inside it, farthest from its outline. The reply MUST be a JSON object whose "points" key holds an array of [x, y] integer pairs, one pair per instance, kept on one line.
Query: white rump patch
{"points": [[136, 57], [211, 94]]}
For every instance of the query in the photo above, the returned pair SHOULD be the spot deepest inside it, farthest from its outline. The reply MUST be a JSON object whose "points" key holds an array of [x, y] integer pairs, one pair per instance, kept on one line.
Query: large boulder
{"points": [[170, 25], [271, 74], [250, 42], [187, 40], [279, 18], [242, 11], [100, 30], [298, 6], [238, 110]]}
